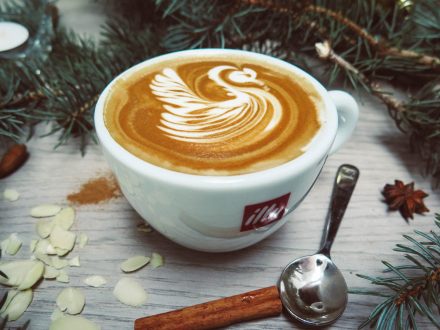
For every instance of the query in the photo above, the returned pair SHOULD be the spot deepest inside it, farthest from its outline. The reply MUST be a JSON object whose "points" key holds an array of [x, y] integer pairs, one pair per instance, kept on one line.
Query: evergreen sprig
{"points": [[364, 45], [410, 289]]}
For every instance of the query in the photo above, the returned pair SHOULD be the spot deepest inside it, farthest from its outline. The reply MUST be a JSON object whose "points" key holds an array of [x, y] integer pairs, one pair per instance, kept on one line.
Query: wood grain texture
{"points": [[366, 236]]}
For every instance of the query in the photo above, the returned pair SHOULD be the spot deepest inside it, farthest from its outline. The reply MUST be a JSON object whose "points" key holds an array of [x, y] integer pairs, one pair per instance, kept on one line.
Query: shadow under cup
{"points": [[225, 213]]}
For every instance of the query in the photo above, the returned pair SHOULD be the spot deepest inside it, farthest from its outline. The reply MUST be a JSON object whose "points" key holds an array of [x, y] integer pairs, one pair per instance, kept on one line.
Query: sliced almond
{"points": [[51, 250], [63, 277], [9, 296], [65, 218], [130, 292], [42, 246], [11, 195], [44, 258], [74, 262], [11, 245], [62, 238], [33, 245], [32, 276], [44, 227], [71, 301], [14, 244], [50, 272], [58, 263], [56, 314], [4, 244], [134, 263], [70, 322], [45, 210], [95, 281], [21, 273], [82, 240], [18, 305], [61, 252], [156, 260]]}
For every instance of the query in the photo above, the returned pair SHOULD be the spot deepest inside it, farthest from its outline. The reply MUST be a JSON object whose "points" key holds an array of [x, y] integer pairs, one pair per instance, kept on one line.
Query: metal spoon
{"points": [[312, 289]]}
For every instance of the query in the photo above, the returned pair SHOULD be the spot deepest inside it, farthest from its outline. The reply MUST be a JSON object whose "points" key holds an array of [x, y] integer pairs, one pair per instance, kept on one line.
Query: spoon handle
{"points": [[345, 181]]}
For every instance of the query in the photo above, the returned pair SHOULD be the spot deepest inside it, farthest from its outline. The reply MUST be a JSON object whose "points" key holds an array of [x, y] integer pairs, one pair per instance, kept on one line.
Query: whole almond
{"points": [[13, 159]]}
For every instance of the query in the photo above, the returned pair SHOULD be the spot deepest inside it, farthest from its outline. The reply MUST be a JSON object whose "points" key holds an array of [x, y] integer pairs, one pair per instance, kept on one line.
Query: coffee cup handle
{"points": [[348, 114]]}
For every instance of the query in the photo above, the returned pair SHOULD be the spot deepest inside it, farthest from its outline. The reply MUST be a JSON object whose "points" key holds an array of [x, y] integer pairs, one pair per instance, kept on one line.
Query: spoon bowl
{"points": [[313, 290]]}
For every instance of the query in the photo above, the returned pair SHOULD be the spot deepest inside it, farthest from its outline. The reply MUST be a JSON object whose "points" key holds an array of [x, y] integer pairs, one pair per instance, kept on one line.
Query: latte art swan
{"points": [[190, 117], [212, 116]]}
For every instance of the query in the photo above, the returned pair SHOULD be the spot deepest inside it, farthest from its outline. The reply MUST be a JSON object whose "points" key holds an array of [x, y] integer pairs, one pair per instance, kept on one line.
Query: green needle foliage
{"points": [[411, 289], [60, 83], [363, 45]]}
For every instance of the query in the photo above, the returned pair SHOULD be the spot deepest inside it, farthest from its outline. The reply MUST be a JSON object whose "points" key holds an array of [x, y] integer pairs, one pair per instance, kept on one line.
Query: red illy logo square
{"points": [[262, 214]]}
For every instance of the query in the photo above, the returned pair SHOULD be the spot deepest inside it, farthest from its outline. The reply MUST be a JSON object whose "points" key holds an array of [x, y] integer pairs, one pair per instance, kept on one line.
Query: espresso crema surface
{"points": [[213, 116]]}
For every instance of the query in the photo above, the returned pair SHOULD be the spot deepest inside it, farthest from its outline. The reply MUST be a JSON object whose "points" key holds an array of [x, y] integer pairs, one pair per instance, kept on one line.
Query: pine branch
{"points": [[61, 88], [11, 122], [204, 24], [325, 52], [415, 288], [16, 104], [132, 37], [381, 45], [422, 123], [419, 117], [72, 92]]}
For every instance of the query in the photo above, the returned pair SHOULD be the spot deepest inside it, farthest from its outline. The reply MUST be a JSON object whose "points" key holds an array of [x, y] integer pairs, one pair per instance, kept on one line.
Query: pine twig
{"points": [[381, 45], [325, 52], [412, 288], [338, 16], [414, 292], [23, 99]]}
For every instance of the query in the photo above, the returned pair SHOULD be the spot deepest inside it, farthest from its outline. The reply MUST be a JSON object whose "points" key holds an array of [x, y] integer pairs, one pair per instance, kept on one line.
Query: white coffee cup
{"points": [[226, 213]]}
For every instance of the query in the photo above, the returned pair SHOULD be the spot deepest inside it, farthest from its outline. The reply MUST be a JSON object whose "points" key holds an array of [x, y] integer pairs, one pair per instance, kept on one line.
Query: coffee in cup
{"points": [[213, 115]]}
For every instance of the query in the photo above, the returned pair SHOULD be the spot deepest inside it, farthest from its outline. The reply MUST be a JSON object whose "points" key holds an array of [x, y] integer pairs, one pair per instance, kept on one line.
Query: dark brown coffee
{"points": [[213, 116]]}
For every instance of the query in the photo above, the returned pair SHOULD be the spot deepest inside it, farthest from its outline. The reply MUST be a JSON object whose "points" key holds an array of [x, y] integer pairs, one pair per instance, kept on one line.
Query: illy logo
{"points": [[262, 214]]}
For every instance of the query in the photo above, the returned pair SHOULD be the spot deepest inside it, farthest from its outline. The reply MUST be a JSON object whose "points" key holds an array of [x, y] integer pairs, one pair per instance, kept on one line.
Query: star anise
{"points": [[403, 197]]}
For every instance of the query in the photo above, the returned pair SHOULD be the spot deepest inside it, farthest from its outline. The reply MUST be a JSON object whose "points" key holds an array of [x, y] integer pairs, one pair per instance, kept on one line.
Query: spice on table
{"points": [[218, 313], [403, 197], [13, 159], [95, 191]]}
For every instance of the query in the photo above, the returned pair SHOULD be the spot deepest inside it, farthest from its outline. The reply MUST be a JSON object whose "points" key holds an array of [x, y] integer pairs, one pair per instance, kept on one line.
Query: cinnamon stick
{"points": [[217, 313]]}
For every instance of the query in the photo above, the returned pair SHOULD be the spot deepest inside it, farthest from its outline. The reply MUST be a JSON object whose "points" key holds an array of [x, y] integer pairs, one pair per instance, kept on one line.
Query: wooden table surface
{"points": [[367, 234]]}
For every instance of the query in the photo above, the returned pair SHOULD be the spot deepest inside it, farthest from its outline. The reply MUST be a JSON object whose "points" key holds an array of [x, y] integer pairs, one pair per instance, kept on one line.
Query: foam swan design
{"points": [[190, 117]]}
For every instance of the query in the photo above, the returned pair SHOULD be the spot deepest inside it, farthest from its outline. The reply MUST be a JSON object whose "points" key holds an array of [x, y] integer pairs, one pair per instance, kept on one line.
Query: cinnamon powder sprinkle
{"points": [[95, 191]]}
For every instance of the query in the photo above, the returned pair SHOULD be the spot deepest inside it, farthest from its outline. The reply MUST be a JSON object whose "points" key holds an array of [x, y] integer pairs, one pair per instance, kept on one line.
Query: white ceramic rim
{"points": [[314, 153]]}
